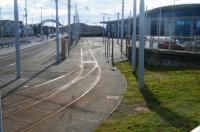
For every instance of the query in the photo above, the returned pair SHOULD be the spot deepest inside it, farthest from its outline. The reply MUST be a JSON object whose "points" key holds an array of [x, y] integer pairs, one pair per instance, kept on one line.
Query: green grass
{"points": [[170, 102]]}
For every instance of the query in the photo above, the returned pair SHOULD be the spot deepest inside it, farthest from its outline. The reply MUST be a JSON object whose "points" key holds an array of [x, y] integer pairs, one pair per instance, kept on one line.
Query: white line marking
{"points": [[8, 66], [91, 87], [78, 78]]}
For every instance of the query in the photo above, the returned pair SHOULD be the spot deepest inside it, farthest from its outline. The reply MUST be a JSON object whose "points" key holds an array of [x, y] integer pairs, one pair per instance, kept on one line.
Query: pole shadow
{"points": [[173, 118], [22, 84]]}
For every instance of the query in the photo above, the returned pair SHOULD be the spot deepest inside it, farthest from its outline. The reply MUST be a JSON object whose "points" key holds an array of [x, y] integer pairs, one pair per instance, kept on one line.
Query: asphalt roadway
{"points": [[73, 96]]}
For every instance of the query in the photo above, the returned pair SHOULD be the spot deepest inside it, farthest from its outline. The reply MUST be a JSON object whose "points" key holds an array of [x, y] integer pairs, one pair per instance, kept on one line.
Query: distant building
{"points": [[8, 28], [87, 30], [179, 20]]}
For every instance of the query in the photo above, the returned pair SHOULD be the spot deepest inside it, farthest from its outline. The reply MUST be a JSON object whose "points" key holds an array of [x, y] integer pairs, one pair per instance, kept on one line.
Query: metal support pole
{"points": [[134, 37], [1, 120], [57, 35], [103, 30], [122, 29], [74, 29], [118, 28], [113, 65], [105, 46], [141, 50], [75, 22], [109, 35], [159, 28], [107, 52], [1, 25], [69, 26], [16, 17], [26, 29], [41, 30], [174, 18]]}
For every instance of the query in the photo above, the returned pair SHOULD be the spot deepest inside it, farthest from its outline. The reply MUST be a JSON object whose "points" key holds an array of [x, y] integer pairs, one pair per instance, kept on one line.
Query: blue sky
{"points": [[90, 11]]}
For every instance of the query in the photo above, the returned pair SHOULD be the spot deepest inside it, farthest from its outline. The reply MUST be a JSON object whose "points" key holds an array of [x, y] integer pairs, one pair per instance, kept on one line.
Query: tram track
{"points": [[69, 104], [91, 74]]}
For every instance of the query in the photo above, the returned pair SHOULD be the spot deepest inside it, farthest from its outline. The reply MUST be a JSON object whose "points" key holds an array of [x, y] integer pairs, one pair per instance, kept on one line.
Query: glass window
{"points": [[198, 24]]}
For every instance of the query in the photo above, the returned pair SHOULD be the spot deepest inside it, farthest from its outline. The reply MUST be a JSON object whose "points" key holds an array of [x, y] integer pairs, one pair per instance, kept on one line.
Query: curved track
{"points": [[58, 97], [27, 58]]}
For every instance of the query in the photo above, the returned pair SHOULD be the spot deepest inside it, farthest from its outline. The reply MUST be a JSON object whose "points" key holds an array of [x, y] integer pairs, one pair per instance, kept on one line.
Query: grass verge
{"points": [[168, 103]]}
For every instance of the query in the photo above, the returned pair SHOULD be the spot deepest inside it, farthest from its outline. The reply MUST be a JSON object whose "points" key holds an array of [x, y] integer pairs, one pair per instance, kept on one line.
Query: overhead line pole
{"points": [[76, 25], [122, 28], [69, 26], [1, 23], [142, 42], [103, 29], [134, 37], [57, 35], [118, 22], [41, 30], [26, 13], [17, 47], [74, 28], [1, 120]]}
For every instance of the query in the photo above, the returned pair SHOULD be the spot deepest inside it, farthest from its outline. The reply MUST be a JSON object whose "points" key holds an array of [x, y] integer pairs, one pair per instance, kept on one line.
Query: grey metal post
{"points": [[75, 24], [109, 35], [57, 35], [122, 28], [159, 28], [1, 120], [69, 26], [16, 17], [174, 18], [170, 42], [134, 37], [26, 30], [113, 52], [118, 28], [129, 33], [74, 29], [141, 50], [1, 23], [103, 29], [41, 30]]}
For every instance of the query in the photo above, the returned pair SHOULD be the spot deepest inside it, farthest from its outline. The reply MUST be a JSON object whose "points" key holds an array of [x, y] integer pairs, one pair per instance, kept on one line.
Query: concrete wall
{"points": [[165, 58]]}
